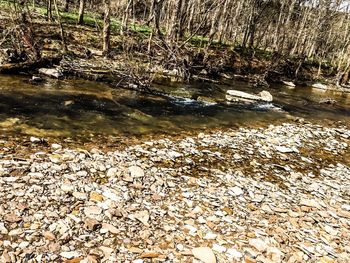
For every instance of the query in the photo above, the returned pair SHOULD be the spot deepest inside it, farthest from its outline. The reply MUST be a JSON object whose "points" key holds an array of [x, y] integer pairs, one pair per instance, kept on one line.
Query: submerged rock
{"points": [[139, 115], [36, 79], [206, 100], [329, 101], [9, 122]]}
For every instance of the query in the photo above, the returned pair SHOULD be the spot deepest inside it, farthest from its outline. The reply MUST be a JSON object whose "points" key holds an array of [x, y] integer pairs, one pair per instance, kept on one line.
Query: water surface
{"points": [[80, 107]]}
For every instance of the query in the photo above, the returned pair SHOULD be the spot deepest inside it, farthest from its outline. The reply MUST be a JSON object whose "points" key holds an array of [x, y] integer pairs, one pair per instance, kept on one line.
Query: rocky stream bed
{"points": [[275, 194]]}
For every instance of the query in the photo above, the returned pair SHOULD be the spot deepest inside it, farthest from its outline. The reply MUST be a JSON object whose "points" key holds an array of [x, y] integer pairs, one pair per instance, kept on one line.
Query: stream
{"points": [[79, 107]]}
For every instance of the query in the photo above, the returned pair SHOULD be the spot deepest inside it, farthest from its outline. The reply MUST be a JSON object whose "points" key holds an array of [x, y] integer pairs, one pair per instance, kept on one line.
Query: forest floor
{"points": [[275, 194], [136, 62]]}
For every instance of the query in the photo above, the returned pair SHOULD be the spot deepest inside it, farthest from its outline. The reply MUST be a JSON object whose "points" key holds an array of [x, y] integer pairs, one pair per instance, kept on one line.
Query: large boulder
{"points": [[266, 96], [236, 95], [240, 96]]}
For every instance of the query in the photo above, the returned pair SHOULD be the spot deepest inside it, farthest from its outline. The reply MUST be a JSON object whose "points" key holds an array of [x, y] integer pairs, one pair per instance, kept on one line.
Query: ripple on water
{"points": [[76, 107]]}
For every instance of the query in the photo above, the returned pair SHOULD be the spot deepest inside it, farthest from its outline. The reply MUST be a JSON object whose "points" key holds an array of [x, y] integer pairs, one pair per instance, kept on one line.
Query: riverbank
{"points": [[275, 194], [136, 62]]}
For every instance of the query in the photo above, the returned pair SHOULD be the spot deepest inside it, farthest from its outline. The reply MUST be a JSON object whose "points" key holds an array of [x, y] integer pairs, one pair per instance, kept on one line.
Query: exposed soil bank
{"points": [[137, 73]]}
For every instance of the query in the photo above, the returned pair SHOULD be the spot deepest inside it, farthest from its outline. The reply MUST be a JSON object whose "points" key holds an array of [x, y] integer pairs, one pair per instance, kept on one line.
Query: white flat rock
{"points": [[319, 86], [289, 84], [136, 172], [205, 254]]}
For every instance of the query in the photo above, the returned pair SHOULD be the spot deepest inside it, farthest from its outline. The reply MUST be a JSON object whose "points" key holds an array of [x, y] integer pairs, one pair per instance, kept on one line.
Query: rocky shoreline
{"points": [[275, 194]]}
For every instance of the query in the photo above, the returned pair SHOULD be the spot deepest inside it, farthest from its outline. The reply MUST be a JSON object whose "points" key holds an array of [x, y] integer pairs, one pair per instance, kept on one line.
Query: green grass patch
{"points": [[140, 28], [199, 41]]}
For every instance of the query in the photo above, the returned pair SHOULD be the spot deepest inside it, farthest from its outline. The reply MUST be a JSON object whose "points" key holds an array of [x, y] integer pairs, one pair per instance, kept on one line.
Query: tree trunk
{"points": [[286, 28], [175, 23], [276, 36], [190, 18], [222, 23], [157, 12], [66, 6], [59, 22], [246, 32], [106, 27], [49, 10], [214, 23], [125, 19], [151, 11], [183, 19], [81, 12]]}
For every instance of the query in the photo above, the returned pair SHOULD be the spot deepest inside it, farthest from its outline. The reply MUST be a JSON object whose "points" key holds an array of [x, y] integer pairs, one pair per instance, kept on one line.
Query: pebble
{"points": [[205, 254], [284, 149], [110, 228], [112, 172], [309, 203], [80, 195], [346, 207], [49, 235], [56, 146], [258, 244], [143, 217], [96, 197], [234, 253], [219, 249], [34, 139], [236, 193], [70, 254], [91, 224], [67, 188], [210, 236], [136, 172], [92, 211]]}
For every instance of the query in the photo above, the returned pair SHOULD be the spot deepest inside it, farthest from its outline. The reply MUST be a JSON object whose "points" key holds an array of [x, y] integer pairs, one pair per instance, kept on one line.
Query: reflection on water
{"points": [[77, 107]]}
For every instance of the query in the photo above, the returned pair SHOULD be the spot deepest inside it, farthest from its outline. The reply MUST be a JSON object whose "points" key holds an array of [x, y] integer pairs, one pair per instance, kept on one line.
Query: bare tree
{"points": [[106, 27], [316, 30], [81, 12], [63, 38], [66, 5], [49, 10]]}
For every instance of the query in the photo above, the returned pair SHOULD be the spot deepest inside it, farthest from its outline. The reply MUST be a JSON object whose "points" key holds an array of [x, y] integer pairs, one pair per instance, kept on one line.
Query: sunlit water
{"points": [[79, 107]]}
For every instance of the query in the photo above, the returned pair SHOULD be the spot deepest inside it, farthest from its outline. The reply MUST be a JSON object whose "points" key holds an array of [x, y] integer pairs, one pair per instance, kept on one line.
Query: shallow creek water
{"points": [[79, 107]]}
